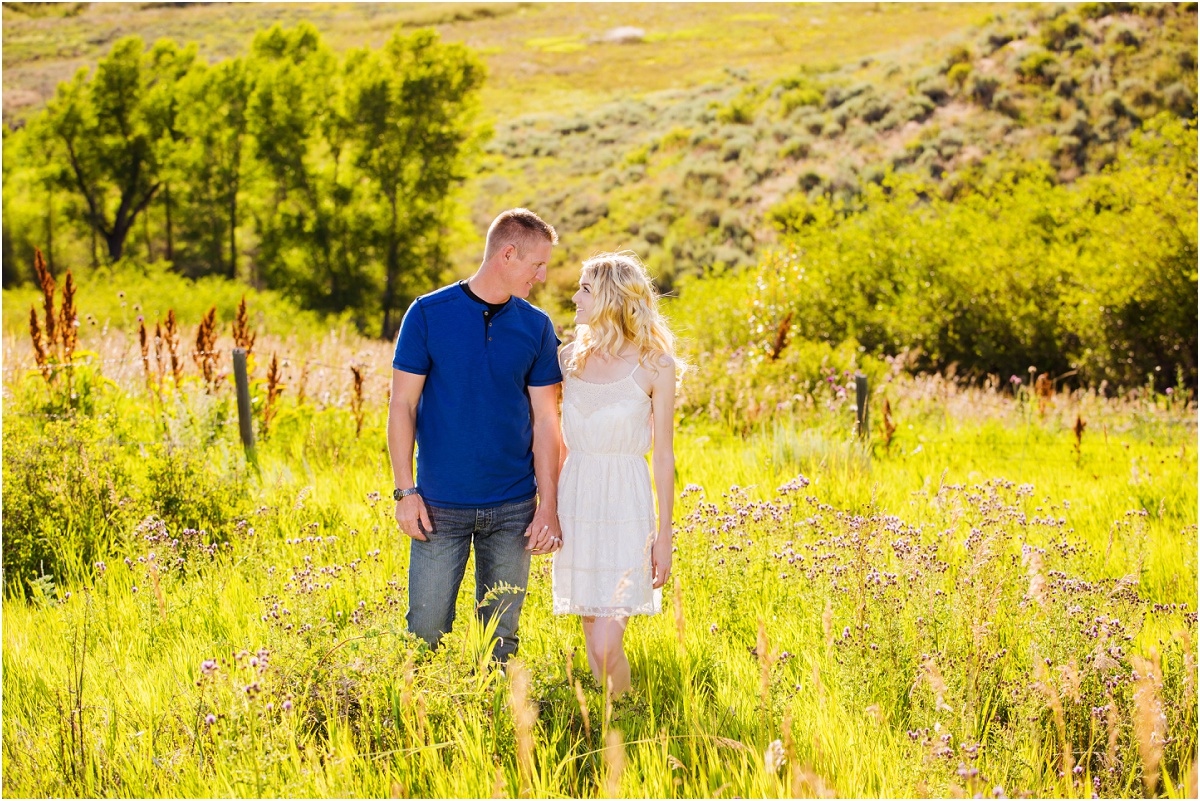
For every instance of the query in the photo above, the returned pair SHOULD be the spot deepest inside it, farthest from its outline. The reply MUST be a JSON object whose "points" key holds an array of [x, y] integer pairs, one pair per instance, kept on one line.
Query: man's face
{"points": [[523, 270]]}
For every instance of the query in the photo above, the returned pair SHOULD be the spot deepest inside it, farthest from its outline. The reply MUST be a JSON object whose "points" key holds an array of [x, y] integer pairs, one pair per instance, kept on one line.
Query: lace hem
{"points": [[563, 606]]}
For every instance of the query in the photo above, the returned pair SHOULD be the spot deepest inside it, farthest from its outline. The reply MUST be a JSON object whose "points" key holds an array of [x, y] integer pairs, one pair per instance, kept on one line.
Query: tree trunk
{"points": [[146, 235], [391, 270], [233, 235], [170, 242], [50, 229], [10, 274]]}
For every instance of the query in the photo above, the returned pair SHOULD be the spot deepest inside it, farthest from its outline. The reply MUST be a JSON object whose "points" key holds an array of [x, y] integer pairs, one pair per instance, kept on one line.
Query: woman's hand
{"points": [[660, 557]]}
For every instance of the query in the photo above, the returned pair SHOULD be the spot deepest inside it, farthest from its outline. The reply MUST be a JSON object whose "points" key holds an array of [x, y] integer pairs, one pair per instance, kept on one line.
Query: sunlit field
{"points": [[978, 579], [983, 601]]}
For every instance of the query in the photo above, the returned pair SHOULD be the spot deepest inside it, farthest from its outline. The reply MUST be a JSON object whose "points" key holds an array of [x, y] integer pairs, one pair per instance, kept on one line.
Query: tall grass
{"points": [[962, 612]]}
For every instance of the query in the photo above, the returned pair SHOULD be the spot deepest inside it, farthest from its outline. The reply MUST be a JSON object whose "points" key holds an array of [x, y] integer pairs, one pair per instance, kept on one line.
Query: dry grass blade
{"points": [[523, 720], [1149, 721], [766, 660], [614, 763], [1044, 388], [275, 388], [889, 426], [356, 400], [144, 344], [1048, 690], [583, 709], [171, 337]]}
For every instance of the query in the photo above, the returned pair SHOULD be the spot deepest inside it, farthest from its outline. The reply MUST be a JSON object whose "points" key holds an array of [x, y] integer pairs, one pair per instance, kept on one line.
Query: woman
{"points": [[618, 391]]}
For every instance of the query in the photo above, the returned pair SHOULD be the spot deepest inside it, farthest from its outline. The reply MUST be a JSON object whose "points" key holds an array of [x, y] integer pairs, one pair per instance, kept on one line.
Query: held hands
{"points": [[413, 517], [660, 557], [544, 533]]}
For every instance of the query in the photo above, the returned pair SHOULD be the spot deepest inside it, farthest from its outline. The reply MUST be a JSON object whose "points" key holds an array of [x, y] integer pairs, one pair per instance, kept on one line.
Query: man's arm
{"points": [[544, 533], [401, 438]]}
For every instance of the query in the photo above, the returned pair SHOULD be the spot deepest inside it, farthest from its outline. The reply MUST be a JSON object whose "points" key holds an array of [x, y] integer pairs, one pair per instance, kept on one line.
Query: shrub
{"points": [[983, 89], [1124, 36], [960, 54], [1095, 10], [1181, 100], [936, 89], [1139, 92], [809, 179], [1006, 104], [1057, 32], [797, 147], [958, 75], [800, 97], [995, 40], [735, 147], [1066, 86], [1038, 67]]}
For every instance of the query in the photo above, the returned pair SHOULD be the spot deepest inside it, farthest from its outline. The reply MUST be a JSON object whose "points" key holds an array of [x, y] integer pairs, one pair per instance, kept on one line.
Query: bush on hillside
{"points": [[1097, 278]]}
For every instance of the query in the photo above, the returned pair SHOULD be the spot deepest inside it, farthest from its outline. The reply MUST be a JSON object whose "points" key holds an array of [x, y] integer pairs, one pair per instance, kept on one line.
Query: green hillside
{"points": [[701, 136]]}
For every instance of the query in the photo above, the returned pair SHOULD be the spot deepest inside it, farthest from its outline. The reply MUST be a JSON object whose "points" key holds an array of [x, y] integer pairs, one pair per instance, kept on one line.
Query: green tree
{"points": [[413, 107], [107, 132], [310, 216], [211, 165]]}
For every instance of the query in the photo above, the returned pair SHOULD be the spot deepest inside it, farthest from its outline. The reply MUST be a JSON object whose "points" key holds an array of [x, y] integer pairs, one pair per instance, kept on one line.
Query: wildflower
{"points": [[100, 568], [286, 706], [1015, 381], [208, 666], [774, 757], [210, 719], [134, 589]]}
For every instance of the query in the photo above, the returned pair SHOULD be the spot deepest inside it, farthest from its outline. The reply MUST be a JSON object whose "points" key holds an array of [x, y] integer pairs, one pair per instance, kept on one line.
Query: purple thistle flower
{"points": [[210, 718]]}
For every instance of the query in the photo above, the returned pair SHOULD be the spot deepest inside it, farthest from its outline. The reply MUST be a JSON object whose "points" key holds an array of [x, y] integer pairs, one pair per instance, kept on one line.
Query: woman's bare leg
{"points": [[606, 652]]}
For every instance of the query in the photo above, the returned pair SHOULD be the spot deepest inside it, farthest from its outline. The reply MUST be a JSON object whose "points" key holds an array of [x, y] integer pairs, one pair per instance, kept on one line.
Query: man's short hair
{"points": [[520, 227]]}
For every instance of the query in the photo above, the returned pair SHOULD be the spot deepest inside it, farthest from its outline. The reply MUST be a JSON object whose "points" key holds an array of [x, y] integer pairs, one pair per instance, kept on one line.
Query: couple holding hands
{"points": [[475, 388]]}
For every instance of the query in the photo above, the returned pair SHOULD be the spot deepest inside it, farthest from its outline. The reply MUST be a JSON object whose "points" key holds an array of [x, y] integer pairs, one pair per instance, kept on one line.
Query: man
{"points": [[474, 384]]}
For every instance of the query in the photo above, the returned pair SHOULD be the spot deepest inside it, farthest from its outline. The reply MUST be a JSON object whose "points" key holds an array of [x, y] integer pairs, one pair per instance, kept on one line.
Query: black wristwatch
{"points": [[397, 494]]}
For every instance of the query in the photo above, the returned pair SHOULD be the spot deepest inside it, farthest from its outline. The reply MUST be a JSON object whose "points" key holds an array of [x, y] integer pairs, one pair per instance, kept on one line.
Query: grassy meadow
{"points": [[979, 601], [991, 593]]}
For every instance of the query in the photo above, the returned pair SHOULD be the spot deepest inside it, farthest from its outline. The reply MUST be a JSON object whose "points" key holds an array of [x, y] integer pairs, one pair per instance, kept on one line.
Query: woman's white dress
{"points": [[605, 502]]}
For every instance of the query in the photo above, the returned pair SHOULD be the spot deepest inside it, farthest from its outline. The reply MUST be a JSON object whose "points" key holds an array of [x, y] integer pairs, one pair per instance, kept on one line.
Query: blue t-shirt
{"points": [[474, 419]]}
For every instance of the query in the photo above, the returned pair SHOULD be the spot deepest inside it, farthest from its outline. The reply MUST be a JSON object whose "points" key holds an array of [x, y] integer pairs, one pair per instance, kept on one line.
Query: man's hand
{"points": [[413, 517], [660, 558], [544, 534]]}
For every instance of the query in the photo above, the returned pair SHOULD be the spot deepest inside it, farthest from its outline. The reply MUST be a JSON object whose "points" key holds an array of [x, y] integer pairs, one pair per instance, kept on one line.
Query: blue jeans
{"points": [[436, 568]]}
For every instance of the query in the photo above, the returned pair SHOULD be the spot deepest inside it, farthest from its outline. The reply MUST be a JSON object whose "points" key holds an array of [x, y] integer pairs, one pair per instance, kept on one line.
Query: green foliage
{"points": [[1039, 67], [76, 482], [1097, 280], [336, 174]]}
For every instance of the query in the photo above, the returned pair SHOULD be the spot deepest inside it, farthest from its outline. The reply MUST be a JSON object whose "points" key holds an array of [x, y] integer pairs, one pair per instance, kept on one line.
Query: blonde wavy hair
{"points": [[624, 309]]}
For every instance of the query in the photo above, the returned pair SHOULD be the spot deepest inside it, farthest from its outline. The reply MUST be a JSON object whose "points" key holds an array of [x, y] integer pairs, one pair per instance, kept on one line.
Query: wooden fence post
{"points": [[242, 379], [861, 410]]}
